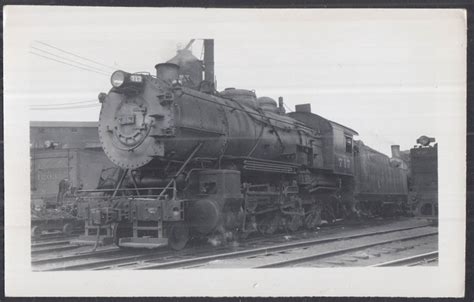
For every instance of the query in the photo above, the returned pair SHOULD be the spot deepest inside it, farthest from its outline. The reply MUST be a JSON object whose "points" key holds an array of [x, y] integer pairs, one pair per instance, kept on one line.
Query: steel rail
{"points": [[116, 261], [323, 255], [411, 260], [53, 249], [74, 256], [49, 243], [49, 238], [265, 250]]}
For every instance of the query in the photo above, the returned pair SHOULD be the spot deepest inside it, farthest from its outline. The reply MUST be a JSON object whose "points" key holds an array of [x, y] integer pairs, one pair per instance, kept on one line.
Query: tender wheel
{"points": [[35, 231], [178, 235], [67, 228]]}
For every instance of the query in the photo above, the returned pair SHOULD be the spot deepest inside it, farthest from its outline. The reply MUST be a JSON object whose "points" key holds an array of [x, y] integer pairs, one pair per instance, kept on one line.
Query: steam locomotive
{"points": [[196, 162], [423, 188]]}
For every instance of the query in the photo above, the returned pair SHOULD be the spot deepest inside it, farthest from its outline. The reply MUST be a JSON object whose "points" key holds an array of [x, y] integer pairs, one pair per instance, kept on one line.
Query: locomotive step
{"points": [[143, 242]]}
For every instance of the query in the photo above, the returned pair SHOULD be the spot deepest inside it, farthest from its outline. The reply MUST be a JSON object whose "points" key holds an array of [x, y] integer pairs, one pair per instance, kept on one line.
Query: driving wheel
{"points": [[313, 218], [295, 222]]}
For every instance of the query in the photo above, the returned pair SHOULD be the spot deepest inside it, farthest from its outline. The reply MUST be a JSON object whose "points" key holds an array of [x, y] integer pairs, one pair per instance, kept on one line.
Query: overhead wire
{"points": [[73, 63], [75, 55], [67, 59], [66, 63], [65, 107], [289, 109], [64, 104]]}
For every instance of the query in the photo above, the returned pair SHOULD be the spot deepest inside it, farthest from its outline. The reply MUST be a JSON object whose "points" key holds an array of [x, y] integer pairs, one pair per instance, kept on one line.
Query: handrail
{"points": [[173, 180], [123, 189]]}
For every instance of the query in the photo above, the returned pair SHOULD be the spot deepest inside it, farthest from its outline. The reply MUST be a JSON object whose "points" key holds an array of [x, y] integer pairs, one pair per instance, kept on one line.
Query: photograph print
{"points": [[256, 140]]}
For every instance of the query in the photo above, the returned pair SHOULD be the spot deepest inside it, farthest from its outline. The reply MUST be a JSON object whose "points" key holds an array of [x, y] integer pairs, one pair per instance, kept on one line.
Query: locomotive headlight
{"points": [[122, 81], [425, 140], [118, 78]]}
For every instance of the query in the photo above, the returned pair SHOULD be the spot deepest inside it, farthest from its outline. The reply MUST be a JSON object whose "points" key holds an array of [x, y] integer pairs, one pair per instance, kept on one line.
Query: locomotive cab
{"points": [[334, 149]]}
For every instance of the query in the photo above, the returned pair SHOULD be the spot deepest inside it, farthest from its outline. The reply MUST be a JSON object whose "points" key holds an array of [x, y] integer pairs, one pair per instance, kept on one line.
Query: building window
{"points": [[73, 129], [348, 144]]}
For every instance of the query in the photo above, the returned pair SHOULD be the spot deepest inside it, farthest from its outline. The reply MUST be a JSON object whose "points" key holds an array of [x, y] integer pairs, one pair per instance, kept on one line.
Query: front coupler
{"points": [[149, 218]]}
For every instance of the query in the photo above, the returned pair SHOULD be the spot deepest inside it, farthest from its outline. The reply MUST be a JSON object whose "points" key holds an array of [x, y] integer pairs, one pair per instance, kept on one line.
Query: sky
{"points": [[391, 75]]}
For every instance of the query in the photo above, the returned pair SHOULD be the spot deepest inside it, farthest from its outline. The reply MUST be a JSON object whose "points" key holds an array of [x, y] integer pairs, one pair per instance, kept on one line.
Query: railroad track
{"points": [[415, 260], [212, 260], [46, 247], [53, 248], [75, 256], [163, 260], [324, 255], [52, 236], [49, 243]]}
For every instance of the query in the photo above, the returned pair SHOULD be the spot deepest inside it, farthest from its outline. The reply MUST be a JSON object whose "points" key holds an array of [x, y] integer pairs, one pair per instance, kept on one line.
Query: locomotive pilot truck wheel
{"points": [[67, 228], [122, 230], [178, 235], [35, 231]]}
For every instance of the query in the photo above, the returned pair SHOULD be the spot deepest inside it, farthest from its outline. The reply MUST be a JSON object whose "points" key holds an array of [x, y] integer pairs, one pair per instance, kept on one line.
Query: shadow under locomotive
{"points": [[195, 162]]}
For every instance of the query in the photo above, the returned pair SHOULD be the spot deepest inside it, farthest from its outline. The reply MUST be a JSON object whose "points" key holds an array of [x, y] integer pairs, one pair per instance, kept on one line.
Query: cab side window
{"points": [[348, 144]]}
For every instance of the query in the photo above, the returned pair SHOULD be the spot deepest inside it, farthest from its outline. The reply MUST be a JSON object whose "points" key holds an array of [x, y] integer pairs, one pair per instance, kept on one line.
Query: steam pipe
{"points": [[395, 151], [189, 44]]}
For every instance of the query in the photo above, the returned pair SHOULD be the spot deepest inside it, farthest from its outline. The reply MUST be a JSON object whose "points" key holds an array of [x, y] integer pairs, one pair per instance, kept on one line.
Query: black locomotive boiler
{"points": [[202, 163]]}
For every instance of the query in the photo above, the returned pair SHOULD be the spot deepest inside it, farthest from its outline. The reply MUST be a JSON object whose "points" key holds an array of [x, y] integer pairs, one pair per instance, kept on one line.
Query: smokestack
{"points": [[396, 151], [167, 71], [209, 60]]}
